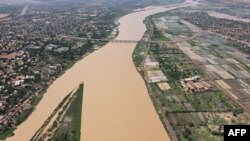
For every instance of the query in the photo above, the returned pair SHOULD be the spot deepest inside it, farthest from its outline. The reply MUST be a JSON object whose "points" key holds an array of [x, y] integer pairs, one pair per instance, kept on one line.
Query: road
{"points": [[24, 11]]}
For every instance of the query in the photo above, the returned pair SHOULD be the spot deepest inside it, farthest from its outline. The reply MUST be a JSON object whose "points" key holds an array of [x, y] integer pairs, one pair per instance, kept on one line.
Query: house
{"points": [[51, 47], [62, 49], [30, 77], [18, 82], [195, 84]]}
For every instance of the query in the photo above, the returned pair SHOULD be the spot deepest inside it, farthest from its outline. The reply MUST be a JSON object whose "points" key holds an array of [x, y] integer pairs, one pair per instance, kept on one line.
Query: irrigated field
{"points": [[194, 103]]}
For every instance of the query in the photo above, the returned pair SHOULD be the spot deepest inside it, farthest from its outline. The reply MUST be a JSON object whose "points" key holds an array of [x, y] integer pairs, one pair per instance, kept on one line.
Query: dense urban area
{"points": [[197, 71], [33, 54]]}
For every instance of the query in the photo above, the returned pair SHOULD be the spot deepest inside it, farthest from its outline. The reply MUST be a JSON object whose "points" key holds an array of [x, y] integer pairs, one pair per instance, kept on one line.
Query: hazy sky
{"points": [[18, 1], [34, 1]]}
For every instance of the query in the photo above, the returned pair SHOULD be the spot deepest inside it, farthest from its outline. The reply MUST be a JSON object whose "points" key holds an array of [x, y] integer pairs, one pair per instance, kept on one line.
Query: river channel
{"points": [[116, 104]]}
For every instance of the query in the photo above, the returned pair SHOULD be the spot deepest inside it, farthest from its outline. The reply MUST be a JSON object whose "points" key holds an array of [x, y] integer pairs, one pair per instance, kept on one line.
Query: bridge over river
{"points": [[130, 41], [112, 40]]}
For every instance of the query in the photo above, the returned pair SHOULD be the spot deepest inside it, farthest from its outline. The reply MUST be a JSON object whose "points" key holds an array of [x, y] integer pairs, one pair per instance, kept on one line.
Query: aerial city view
{"points": [[124, 70]]}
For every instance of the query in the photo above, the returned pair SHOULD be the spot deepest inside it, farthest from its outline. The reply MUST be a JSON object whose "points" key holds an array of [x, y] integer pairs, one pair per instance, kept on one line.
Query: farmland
{"points": [[196, 112], [223, 68]]}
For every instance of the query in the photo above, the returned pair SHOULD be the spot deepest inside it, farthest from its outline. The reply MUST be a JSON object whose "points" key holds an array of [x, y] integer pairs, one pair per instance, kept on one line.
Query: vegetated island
{"points": [[65, 122]]}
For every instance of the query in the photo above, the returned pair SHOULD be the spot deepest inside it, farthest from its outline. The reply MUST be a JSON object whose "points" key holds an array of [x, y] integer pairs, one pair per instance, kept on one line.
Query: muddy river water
{"points": [[116, 104]]}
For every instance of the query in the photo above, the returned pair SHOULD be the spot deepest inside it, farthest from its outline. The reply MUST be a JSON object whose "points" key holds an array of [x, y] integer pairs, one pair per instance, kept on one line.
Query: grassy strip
{"points": [[71, 129], [50, 117]]}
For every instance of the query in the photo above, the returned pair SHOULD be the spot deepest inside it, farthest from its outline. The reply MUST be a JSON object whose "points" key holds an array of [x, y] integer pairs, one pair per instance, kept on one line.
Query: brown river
{"points": [[116, 104]]}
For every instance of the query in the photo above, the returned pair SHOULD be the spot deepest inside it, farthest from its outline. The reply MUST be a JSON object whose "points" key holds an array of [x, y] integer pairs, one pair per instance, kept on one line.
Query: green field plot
{"points": [[211, 101], [138, 54]]}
